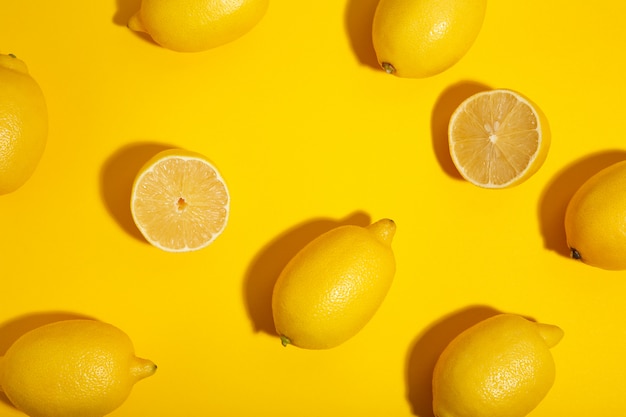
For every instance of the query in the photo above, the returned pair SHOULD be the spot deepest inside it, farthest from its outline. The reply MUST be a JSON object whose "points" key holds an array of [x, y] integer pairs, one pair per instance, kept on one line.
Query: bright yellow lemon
{"points": [[71, 368], [595, 219], [421, 38], [501, 366], [331, 289], [23, 124], [197, 25]]}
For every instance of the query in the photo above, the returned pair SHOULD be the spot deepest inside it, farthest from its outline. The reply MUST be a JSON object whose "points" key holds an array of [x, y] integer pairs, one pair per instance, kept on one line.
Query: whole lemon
{"points": [[334, 285], [501, 366], [595, 219], [23, 124], [421, 38], [197, 25], [71, 368]]}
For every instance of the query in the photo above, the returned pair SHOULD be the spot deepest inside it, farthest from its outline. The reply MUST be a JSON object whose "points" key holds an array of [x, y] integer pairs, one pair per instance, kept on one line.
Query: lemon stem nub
{"points": [[389, 69], [575, 254], [285, 341]]}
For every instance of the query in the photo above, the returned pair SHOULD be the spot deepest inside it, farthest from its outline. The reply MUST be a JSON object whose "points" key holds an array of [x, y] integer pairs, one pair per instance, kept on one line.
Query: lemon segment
{"points": [[498, 138], [179, 201], [331, 289]]}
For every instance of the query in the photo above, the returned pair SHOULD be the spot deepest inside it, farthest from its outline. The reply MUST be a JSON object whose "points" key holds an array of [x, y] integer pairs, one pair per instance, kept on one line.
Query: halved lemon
{"points": [[498, 138], [180, 201]]}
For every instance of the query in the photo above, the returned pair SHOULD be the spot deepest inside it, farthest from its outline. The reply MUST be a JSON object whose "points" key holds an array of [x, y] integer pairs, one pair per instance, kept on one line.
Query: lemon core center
{"points": [[492, 131]]}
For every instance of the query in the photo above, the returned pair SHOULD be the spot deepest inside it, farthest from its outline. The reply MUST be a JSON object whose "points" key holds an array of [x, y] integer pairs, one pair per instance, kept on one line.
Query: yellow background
{"points": [[309, 134]]}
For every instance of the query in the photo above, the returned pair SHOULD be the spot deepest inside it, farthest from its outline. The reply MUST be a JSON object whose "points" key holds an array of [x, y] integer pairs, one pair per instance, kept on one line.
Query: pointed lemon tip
{"points": [[143, 368], [384, 230], [550, 333], [135, 23], [10, 61]]}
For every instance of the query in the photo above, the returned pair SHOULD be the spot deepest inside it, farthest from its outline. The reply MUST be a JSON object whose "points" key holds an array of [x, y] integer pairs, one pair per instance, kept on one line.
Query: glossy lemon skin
{"points": [[197, 25], [422, 38], [501, 366], [331, 289], [72, 368], [595, 219], [23, 124]]}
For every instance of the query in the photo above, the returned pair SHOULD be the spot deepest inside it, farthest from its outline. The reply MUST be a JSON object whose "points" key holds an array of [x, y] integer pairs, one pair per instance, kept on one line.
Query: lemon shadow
{"points": [[556, 196], [13, 329], [359, 15], [269, 262], [116, 181], [125, 10], [425, 351], [446, 104]]}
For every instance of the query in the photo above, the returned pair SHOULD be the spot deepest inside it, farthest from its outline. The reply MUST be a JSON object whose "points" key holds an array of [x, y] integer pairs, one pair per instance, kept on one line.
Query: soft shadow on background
{"points": [[125, 9], [446, 104], [269, 262], [11, 330], [426, 349], [359, 16], [117, 177], [557, 194]]}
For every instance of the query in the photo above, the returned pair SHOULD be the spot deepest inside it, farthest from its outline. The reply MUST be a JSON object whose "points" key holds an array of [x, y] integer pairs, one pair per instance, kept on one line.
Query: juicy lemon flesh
{"points": [[422, 38], [23, 124], [497, 139], [180, 202], [73, 368], [197, 25], [501, 366], [332, 288], [595, 219]]}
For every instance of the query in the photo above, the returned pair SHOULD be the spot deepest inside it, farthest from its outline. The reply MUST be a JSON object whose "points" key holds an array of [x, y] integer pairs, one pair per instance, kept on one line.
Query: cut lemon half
{"points": [[498, 138], [179, 201]]}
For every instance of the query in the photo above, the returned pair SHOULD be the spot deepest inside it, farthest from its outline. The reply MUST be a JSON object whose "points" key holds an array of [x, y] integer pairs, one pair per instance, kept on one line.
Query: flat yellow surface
{"points": [[309, 134]]}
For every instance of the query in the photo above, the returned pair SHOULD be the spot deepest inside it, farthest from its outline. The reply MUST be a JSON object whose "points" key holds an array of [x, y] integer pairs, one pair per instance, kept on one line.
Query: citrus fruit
{"points": [[196, 25], [334, 285], [498, 138], [71, 368], [421, 38], [594, 219], [179, 201], [501, 366], [23, 124]]}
